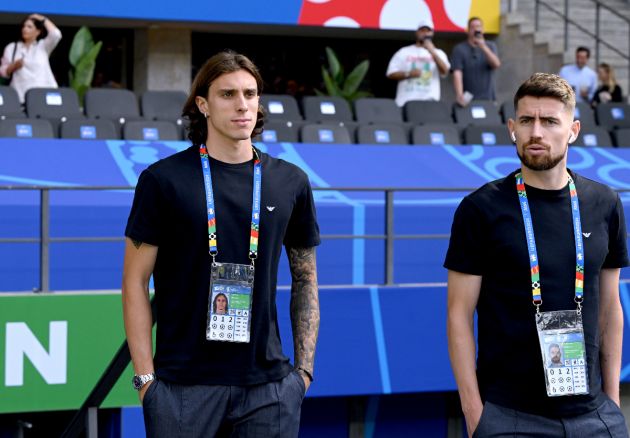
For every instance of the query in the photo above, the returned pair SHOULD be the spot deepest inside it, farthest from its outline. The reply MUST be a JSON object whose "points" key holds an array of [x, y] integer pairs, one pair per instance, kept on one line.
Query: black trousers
{"points": [[268, 410]]}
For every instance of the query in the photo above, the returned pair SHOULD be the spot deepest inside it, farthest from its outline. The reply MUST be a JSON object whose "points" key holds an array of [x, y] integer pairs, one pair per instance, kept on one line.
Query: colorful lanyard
{"points": [[212, 218], [531, 242]]}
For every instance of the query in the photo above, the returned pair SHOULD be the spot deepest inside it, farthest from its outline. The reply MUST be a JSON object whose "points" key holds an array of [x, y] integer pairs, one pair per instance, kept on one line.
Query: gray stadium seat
{"points": [[613, 115], [53, 103], [435, 134], [280, 107], [382, 133], [276, 131], [26, 128], [325, 133], [487, 135], [584, 113], [428, 111], [112, 104], [622, 137], [150, 130], [89, 129], [9, 103], [593, 136], [477, 112], [377, 110], [507, 110], [326, 109]]}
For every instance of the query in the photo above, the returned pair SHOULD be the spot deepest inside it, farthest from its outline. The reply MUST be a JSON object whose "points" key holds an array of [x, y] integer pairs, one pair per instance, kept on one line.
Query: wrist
{"points": [[305, 373], [140, 380]]}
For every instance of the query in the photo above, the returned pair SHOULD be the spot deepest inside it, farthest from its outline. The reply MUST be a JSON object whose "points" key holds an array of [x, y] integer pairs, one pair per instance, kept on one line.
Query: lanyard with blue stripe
{"points": [[212, 218], [531, 243]]}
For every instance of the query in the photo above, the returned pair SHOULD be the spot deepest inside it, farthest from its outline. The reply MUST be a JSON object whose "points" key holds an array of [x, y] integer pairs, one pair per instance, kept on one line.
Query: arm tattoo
{"points": [[304, 305], [136, 243]]}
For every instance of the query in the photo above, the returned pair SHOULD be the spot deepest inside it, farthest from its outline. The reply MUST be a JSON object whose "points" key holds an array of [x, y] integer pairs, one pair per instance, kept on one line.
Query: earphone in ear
{"points": [[571, 138], [513, 136]]}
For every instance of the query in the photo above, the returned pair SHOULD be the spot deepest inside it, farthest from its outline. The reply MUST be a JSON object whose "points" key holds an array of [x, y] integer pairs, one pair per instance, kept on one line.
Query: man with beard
{"points": [[555, 356], [418, 67], [548, 236]]}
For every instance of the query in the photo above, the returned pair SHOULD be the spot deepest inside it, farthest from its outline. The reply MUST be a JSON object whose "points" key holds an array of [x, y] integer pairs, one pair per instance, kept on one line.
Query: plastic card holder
{"points": [[437, 138], [381, 136], [478, 112], [327, 108], [54, 99], [24, 131], [269, 136], [275, 107], [590, 140], [326, 135], [88, 132], [150, 134], [488, 139]]}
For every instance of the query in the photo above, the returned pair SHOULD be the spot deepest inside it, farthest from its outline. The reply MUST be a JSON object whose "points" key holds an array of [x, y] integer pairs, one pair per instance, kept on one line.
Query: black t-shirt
{"points": [[477, 74], [169, 211], [488, 239]]}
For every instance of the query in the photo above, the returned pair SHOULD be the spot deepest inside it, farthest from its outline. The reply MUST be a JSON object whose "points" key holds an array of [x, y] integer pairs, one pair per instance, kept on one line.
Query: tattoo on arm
{"points": [[136, 243], [304, 305]]}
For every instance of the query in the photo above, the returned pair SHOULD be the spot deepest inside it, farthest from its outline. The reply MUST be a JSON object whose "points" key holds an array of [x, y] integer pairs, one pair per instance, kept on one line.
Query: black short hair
{"points": [[583, 49]]}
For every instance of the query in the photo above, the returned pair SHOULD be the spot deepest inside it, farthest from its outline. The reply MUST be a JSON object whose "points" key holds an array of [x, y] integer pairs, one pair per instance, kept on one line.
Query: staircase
{"points": [[524, 50]]}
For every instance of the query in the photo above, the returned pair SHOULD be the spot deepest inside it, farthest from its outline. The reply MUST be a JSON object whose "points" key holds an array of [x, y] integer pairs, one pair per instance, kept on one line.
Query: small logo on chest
{"points": [[273, 207], [587, 235]]}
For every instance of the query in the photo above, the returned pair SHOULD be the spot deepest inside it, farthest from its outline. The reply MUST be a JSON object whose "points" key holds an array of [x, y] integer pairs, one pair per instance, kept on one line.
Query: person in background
{"points": [[418, 67], [473, 63], [609, 90], [580, 76], [25, 62]]}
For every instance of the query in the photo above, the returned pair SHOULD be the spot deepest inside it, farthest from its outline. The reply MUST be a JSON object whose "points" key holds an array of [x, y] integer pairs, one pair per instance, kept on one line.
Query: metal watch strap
{"points": [[142, 379]]}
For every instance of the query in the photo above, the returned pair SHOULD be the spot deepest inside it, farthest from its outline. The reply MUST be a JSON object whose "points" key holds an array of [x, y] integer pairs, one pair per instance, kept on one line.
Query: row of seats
{"points": [[429, 134], [320, 109], [58, 105]]}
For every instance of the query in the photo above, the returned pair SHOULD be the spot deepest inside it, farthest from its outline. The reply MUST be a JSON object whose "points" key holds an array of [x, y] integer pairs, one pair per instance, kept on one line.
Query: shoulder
{"points": [[491, 192], [283, 175], [588, 187], [174, 164], [460, 47]]}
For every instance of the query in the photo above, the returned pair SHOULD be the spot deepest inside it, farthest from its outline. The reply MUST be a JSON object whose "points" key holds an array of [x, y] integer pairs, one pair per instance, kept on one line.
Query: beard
{"points": [[540, 162]]}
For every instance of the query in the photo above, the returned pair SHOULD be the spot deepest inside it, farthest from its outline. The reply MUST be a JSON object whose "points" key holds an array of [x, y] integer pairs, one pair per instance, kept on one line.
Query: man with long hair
{"points": [[218, 211]]}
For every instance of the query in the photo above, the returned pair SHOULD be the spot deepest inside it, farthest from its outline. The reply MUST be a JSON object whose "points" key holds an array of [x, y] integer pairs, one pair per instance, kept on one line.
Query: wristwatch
{"points": [[140, 380]]}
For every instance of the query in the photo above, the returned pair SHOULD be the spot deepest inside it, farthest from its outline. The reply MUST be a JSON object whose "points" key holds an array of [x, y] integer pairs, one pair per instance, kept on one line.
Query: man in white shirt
{"points": [[418, 67], [580, 76]]}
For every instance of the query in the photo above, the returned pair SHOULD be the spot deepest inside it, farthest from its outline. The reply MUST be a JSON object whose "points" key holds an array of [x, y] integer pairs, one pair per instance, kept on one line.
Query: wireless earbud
{"points": [[513, 136], [571, 138]]}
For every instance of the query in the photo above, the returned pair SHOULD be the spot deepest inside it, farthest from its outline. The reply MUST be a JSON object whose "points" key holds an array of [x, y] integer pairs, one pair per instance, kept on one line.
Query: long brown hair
{"points": [[612, 81], [220, 64]]}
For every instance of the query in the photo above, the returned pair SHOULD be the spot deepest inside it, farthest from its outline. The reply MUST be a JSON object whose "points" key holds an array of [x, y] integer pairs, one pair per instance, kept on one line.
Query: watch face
{"points": [[137, 382]]}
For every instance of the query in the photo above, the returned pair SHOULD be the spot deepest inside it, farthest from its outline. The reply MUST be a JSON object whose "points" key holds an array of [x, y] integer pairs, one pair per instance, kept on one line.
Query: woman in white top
{"points": [[26, 61]]}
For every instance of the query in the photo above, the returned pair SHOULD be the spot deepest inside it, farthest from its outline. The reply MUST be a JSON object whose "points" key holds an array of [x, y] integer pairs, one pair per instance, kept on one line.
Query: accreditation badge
{"points": [[230, 302], [561, 337]]}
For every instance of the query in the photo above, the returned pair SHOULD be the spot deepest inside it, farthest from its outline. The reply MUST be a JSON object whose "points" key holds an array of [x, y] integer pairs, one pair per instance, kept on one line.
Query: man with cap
{"points": [[417, 67]]}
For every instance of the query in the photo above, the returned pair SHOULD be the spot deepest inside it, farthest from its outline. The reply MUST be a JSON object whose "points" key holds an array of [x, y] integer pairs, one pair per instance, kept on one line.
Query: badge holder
{"points": [[561, 337], [230, 302]]}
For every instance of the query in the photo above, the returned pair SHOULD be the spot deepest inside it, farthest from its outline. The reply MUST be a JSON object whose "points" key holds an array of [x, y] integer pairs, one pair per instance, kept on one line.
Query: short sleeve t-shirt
{"points": [[169, 211], [478, 76], [488, 239], [425, 87]]}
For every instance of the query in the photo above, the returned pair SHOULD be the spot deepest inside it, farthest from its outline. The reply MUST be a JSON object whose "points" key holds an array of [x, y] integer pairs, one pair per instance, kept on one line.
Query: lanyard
{"points": [[212, 218], [531, 242]]}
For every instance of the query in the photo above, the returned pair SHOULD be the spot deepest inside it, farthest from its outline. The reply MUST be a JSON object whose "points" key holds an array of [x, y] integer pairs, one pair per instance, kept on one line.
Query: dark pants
{"points": [[266, 410], [605, 421]]}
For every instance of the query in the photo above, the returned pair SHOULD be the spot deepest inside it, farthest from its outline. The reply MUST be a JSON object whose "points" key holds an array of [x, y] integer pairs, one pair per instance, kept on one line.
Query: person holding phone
{"points": [[418, 67], [25, 62], [473, 63], [580, 76]]}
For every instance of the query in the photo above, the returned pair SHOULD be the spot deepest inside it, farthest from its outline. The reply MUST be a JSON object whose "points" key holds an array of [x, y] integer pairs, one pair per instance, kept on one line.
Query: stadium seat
{"points": [[622, 137], [507, 110], [150, 130], [382, 133], [487, 135], [9, 103], [584, 113], [162, 105], [325, 133], [593, 136], [613, 115], [377, 110], [112, 104], [326, 109], [477, 112], [89, 129], [53, 104], [276, 131], [280, 107], [26, 128], [435, 134], [423, 112]]}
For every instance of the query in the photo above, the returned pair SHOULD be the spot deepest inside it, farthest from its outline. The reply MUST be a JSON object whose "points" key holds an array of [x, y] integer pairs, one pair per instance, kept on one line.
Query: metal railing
{"points": [[45, 239], [566, 21]]}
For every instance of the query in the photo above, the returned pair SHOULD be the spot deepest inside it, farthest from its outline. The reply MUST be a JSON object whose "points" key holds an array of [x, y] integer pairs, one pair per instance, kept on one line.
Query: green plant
{"points": [[338, 84], [83, 54]]}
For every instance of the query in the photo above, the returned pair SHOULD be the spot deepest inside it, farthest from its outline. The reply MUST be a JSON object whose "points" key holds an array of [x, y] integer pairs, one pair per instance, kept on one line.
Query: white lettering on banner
{"points": [[20, 342]]}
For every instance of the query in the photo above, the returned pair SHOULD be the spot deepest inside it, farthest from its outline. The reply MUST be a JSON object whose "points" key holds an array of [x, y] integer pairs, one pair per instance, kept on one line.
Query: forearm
{"points": [[441, 65], [399, 75], [461, 346], [611, 339], [304, 306], [138, 325], [493, 59], [458, 82]]}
